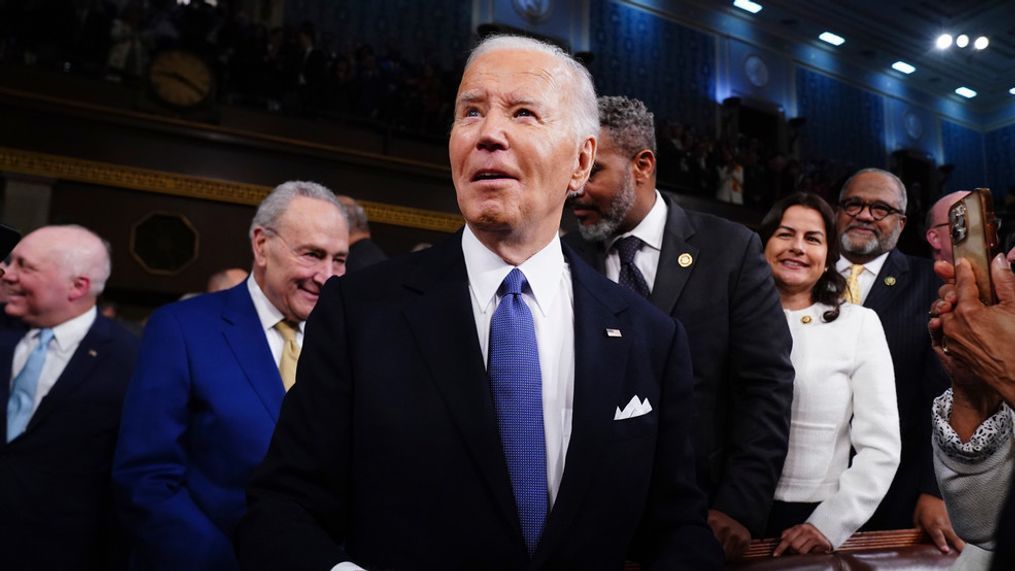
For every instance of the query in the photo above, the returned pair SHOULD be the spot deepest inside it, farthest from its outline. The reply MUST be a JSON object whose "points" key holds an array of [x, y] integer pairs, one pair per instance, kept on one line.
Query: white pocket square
{"points": [[633, 409]]}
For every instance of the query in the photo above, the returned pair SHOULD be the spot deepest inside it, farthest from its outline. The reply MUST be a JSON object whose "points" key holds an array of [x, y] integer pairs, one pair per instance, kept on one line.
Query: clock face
{"points": [[180, 78]]}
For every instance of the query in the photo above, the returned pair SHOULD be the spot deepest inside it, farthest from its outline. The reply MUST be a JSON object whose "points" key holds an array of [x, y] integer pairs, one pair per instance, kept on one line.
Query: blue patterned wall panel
{"points": [[844, 123], [436, 29], [963, 147], [1000, 145], [669, 67]]}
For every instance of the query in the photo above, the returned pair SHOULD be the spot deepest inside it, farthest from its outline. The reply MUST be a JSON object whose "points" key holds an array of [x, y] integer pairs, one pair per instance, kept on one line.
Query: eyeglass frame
{"points": [[869, 206]]}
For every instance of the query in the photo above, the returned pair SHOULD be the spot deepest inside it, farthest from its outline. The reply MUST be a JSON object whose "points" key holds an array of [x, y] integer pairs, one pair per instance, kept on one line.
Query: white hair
{"points": [[277, 202], [583, 94], [86, 255]]}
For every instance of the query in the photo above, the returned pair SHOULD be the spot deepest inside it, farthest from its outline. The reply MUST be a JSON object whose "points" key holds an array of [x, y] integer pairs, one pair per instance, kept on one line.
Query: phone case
{"points": [[973, 228]]}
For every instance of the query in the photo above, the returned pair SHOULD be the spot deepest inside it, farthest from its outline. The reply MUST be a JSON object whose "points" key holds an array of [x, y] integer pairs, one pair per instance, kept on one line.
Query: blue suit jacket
{"points": [[55, 501], [388, 453], [197, 418]]}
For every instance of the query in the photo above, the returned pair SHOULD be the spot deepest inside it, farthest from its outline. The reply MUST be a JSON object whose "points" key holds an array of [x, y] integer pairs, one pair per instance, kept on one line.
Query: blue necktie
{"points": [[518, 397], [630, 275], [21, 403]]}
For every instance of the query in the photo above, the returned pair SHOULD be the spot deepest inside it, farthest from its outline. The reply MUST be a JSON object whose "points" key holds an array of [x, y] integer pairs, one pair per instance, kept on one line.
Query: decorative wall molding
{"points": [[161, 182]]}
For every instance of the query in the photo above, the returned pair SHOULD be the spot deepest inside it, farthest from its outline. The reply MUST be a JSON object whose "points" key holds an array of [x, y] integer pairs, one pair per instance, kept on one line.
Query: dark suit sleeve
{"points": [[761, 394], [673, 534], [298, 499], [935, 382], [150, 465]]}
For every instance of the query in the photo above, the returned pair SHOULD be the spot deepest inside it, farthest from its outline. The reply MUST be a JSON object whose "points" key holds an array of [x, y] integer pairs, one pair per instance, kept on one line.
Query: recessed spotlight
{"points": [[903, 67], [981, 43], [831, 38], [962, 41], [1012, 91], [966, 92], [747, 5], [944, 41]]}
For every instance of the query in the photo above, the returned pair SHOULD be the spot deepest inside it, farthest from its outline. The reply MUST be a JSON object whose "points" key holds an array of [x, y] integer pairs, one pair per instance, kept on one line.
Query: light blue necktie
{"points": [[518, 397], [21, 403]]}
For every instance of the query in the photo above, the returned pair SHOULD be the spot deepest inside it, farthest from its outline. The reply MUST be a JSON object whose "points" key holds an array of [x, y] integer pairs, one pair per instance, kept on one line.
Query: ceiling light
{"points": [[944, 41], [903, 67], [832, 38], [962, 41], [1012, 91], [981, 43], [752, 7], [966, 92]]}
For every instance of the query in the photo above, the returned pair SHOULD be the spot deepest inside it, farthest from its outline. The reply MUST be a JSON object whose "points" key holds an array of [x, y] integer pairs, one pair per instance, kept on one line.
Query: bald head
{"points": [[56, 273], [937, 233]]}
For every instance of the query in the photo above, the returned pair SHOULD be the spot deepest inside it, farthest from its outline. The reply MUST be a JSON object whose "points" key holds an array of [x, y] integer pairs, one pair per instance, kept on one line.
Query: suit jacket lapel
{"points": [[671, 276], [599, 362], [78, 369], [455, 363], [244, 335], [8, 340], [880, 297]]}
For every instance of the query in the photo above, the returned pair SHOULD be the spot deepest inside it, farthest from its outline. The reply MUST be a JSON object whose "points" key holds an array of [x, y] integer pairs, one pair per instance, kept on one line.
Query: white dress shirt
{"points": [[66, 338], [269, 316], [843, 397], [650, 230], [866, 278], [551, 300]]}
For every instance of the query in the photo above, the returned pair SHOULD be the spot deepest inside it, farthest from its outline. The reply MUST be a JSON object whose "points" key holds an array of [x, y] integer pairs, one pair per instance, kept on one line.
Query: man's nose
{"points": [[492, 134]]}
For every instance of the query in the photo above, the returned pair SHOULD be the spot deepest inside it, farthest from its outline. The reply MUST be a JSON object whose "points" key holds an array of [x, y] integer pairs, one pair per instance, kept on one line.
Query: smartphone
{"points": [[973, 228]]}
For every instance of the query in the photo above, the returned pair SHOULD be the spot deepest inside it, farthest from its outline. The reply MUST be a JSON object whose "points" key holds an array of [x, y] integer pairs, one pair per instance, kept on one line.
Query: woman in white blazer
{"points": [[844, 392]]}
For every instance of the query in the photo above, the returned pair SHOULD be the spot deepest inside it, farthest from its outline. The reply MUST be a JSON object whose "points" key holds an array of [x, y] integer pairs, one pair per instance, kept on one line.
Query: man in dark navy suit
{"points": [[709, 273], [869, 219], [491, 402], [68, 375]]}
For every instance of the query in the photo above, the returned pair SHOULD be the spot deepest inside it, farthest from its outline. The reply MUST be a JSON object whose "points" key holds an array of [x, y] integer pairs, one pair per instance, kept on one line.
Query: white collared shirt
{"points": [[650, 230], [551, 301], [866, 278], [66, 338], [269, 316]]}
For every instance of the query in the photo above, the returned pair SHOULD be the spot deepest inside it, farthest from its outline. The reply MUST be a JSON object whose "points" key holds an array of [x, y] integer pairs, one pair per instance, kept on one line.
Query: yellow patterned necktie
{"points": [[853, 284], [290, 354]]}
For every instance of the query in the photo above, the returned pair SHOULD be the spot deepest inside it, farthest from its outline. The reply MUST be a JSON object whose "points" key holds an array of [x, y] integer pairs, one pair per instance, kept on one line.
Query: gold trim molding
{"points": [[149, 180]]}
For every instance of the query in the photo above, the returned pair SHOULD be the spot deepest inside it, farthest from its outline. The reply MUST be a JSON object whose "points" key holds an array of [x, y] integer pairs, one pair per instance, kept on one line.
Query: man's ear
{"points": [[80, 287], [643, 165], [933, 239], [259, 244], [583, 164]]}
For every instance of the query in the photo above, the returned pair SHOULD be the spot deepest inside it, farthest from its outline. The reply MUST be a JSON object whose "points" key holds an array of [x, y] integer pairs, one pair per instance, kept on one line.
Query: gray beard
{"points": [[865, 249], [611, 220]]}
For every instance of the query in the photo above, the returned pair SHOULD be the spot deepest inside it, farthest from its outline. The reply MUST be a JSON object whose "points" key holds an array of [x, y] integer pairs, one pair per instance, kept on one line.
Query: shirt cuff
{"points": [[989, 436]]}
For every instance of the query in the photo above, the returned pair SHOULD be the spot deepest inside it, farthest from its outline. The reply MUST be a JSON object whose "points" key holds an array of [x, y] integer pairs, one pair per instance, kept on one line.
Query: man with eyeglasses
{"points": [[869, 219], [937, 226], [209, 383]]}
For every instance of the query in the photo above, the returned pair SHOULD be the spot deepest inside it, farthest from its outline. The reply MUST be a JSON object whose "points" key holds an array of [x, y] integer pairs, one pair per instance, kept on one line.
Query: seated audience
{"points": [[974, 447], [211, 375], [68, 373], [844, 392]]}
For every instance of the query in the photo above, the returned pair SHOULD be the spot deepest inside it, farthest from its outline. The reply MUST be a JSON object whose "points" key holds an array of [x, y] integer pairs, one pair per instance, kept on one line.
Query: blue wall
{"points": [[669, 67], [844, 123], [1000, 145], [439, 30], [963, 147]]}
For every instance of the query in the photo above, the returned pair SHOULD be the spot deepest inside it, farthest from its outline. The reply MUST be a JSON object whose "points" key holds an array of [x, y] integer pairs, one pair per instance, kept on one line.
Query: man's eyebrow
{"points": [[471, 96]]}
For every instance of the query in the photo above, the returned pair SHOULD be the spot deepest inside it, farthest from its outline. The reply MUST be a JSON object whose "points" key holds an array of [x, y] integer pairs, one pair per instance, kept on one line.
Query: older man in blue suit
{"points": [[210, 379]]}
